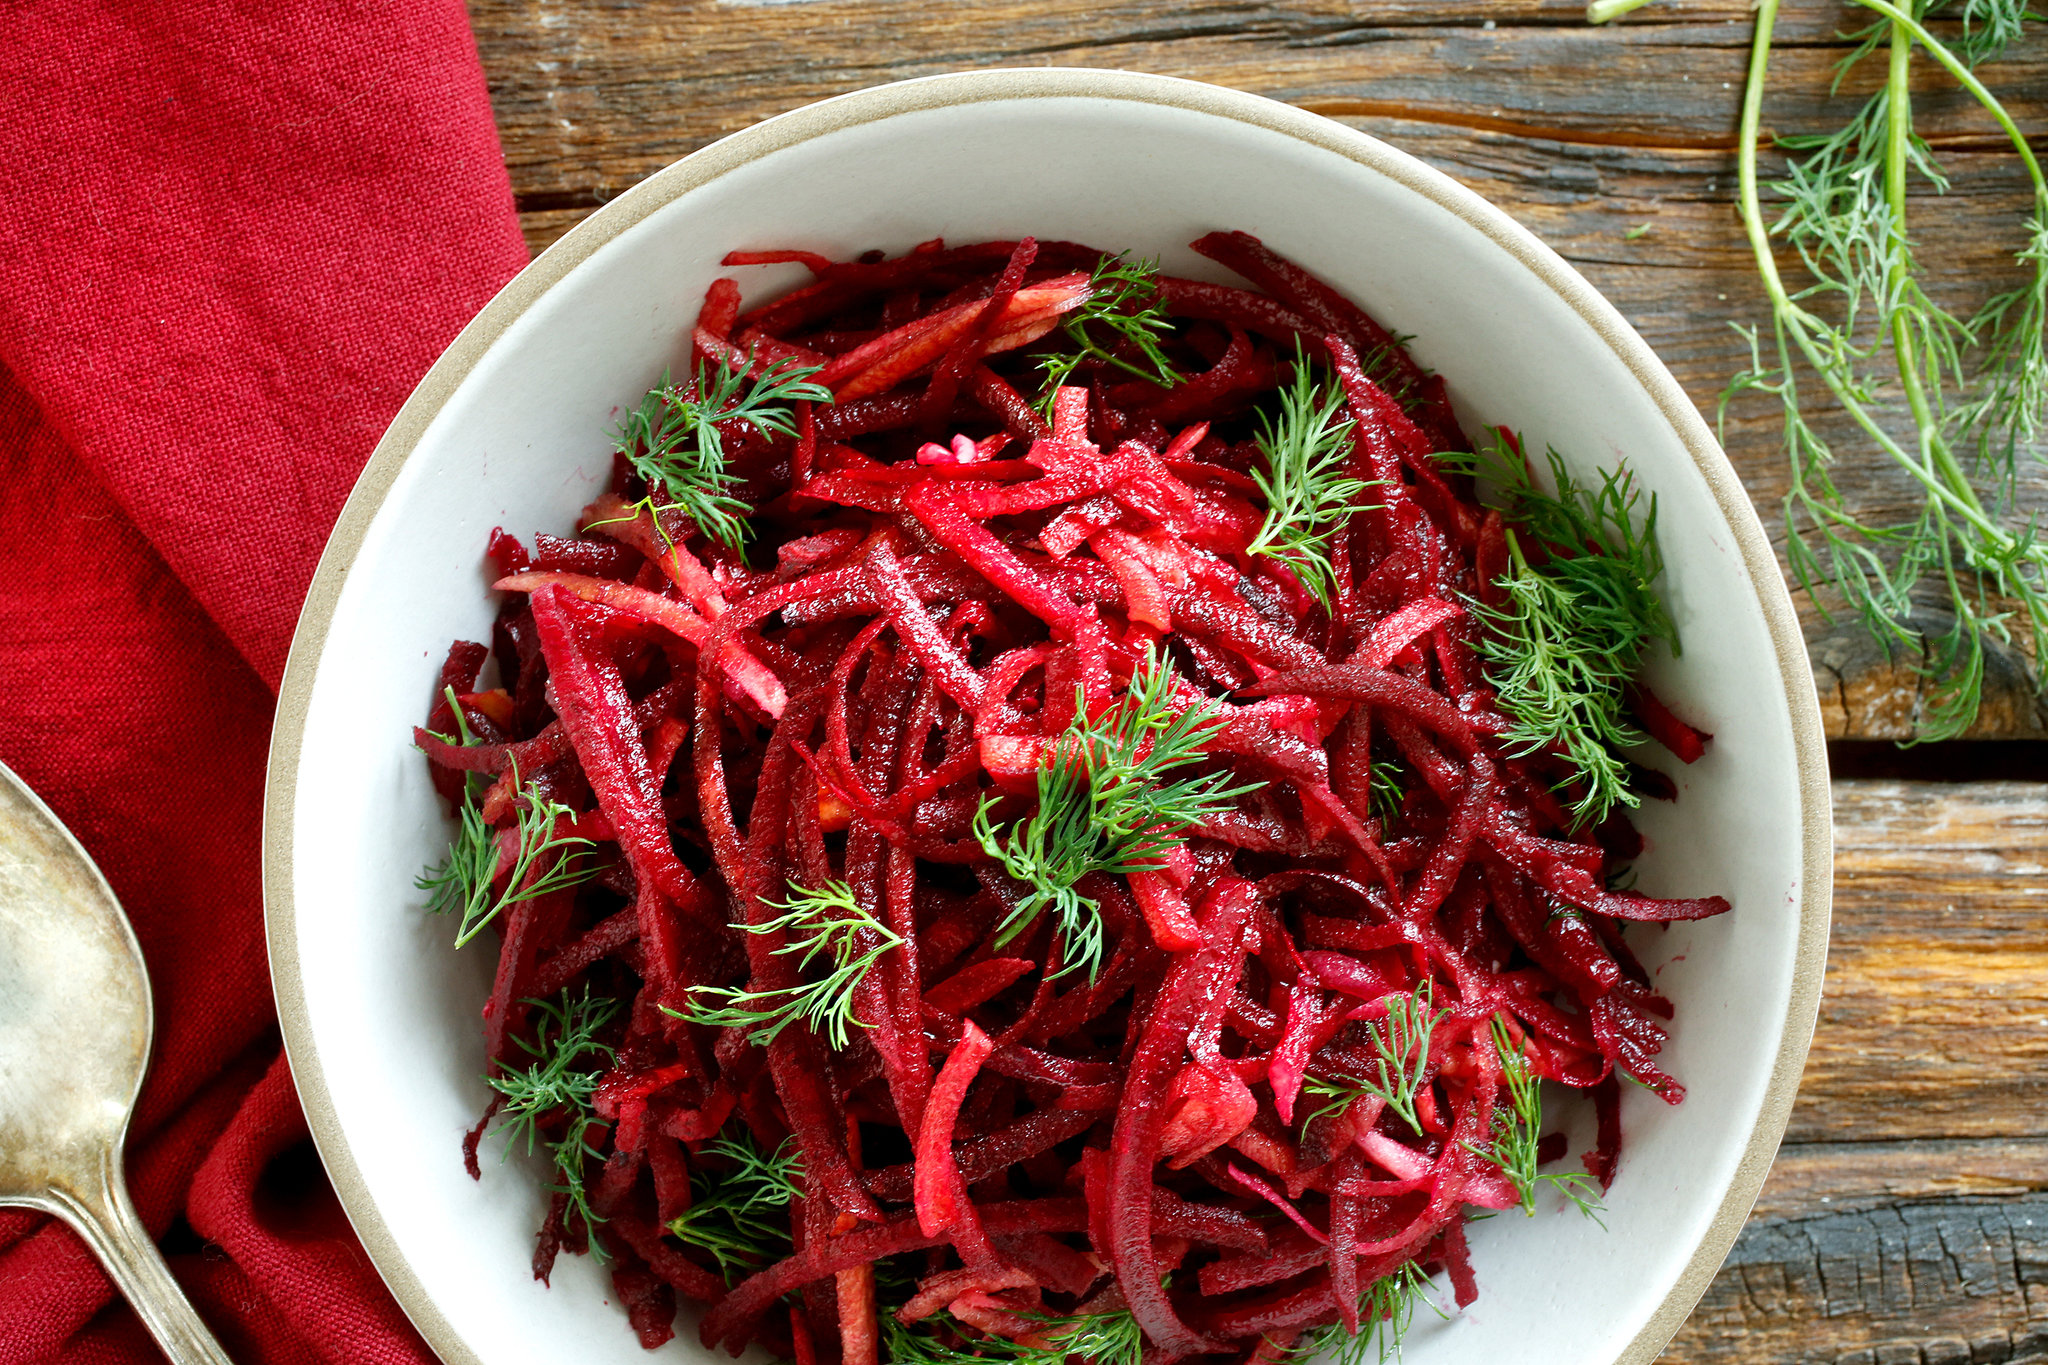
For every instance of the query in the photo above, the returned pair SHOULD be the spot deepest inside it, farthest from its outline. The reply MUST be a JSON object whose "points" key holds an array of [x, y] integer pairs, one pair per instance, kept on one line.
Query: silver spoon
{"points": [[74, 1041]]}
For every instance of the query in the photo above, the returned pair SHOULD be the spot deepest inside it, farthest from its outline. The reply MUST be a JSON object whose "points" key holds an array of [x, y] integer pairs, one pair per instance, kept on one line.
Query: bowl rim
{"points": [[995, 85]]}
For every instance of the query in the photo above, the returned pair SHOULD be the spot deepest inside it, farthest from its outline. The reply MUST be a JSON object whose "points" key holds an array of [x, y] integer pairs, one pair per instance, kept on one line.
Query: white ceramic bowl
{"points": [[380, 1013]]}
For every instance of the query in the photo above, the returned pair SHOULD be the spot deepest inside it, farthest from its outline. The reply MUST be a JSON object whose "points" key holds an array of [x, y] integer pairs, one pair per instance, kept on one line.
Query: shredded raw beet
{"points": [[808, 1050]]}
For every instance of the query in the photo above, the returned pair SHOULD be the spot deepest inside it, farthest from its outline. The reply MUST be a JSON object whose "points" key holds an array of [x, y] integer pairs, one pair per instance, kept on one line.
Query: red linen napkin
{"points": [[237, 235]]}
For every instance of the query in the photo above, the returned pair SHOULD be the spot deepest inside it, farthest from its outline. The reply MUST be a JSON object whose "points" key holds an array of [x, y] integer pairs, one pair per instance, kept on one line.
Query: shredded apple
{"points": [[1042, 818]]}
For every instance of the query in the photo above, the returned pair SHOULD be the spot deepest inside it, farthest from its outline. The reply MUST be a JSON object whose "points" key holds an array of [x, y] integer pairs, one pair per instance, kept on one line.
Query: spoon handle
{"points": [[107, 1221]]}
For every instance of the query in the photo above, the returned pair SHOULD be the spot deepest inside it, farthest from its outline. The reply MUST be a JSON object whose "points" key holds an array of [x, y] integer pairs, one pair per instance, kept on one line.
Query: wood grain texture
{"points": [[1934, 1017], [1944, 1282], [625, 88], [592, 98]]}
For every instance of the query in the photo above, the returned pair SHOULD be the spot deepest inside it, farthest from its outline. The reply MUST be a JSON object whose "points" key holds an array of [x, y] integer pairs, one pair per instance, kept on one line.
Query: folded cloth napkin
{"points": [[239, 233]]}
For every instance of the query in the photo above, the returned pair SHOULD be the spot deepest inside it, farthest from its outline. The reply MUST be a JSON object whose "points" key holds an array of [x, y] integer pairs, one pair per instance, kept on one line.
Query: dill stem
{"points": [[1967, 79], [1515, 551], [1934, 448], [1747, 135], [1606, 11]]}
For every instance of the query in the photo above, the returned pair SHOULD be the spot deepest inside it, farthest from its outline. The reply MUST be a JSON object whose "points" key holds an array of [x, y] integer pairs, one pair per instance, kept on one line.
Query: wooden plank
{"points": [[627, 88], [1923, 1253], [1493, 93], [1934, 1017], [1815, 1178]]}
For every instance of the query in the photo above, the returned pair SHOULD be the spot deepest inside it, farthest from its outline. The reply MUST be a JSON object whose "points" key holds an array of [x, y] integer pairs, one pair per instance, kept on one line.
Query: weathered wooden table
{"points": [[1907, 1217]]}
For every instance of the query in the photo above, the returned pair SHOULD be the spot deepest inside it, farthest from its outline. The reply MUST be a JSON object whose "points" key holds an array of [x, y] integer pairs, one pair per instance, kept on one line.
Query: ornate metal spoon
{"points": [[74, 1041]]}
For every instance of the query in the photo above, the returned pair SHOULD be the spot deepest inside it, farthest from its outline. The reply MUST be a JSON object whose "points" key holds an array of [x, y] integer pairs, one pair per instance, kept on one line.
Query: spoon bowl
{"points": [[75, 1025]]}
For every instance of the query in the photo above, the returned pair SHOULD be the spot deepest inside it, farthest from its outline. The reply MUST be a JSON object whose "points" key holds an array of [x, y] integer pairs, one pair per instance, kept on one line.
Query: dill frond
{"points": [[543, 862], [1097, 1338], [1990, 26], [1308, 495], [559, 1083], [2006, 415], [1388, 791], [1386, 1308], [731, 1214], [461, 881], [827, 924], [1124, 303], [1563, 650], [1400, 1044], [1100, 1338], [673, 439], [1104, 805], [1516, 1127]]}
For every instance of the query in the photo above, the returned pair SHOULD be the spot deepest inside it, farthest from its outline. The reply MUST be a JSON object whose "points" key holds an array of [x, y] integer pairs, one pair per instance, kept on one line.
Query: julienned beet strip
{"points": [[1076, 886]]}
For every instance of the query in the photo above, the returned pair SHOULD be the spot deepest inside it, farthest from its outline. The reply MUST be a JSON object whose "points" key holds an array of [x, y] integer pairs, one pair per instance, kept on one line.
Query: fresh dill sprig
{"points": [[1955, 543], [1563, 689], [1385, 1310], [1388, 790], [1308, 495], [1951, 402], [1098, 1338], [826, 924], [1401, 1060], [1989, 26], [673, 440], [1124, 301], [1104, 805], [463, 880], [559, 1082], [731, 1214], [2007, 414], [564, 1033], [1516, 1127], [1563, 649]]}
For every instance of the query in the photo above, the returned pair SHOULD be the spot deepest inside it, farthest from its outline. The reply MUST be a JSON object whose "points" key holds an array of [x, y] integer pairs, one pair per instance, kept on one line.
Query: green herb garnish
{"points": [[1385, 1310], [826, 924], [1387, 792], [673, 441], [462, 881], [1104, 805], [1516, 1128], [559, 1082], [1308, 494], [1098, 1338], [732, 1215], [1563, 650], [1950, 401], [464, 737], [1124, 302], [1400, 1043]]}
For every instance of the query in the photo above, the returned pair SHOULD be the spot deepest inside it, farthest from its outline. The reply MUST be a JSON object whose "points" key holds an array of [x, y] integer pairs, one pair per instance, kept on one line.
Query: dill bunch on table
{"points": [[1957, 402]]}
